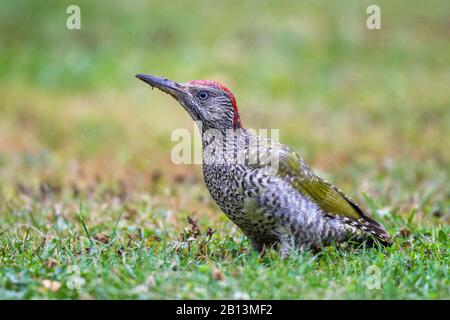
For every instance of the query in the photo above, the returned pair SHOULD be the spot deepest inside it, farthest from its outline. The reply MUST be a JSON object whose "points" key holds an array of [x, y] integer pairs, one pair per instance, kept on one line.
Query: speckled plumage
{"points": [[266, 206], [286, 204]]}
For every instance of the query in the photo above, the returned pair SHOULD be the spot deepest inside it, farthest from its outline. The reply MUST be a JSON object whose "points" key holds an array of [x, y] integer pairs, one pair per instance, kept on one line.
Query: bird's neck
{"points": [[215, 135], [222, 144]]}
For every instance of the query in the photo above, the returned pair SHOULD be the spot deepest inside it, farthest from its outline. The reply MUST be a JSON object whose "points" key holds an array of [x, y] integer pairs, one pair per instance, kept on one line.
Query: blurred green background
{"points": [[358, 104], [368, 109], [354, 102]]}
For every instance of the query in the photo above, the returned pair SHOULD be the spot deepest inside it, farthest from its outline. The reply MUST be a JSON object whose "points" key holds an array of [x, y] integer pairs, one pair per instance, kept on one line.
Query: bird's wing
{"points": [[328, 197]]}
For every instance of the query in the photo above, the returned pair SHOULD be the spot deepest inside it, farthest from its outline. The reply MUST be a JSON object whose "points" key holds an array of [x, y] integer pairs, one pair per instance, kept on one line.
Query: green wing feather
{"points": [[329, 198]]}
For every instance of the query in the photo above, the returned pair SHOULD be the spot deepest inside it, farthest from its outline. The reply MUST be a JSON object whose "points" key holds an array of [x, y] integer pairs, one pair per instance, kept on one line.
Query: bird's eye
{"points": [[203, 95]]}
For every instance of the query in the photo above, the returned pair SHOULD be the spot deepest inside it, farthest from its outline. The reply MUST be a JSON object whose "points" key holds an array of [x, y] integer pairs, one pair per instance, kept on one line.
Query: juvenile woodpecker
{"points": [[264, 187]]}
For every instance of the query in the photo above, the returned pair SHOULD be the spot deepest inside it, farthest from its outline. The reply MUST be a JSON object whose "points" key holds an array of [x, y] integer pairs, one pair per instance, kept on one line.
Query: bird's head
{"points": [[206, 101]]}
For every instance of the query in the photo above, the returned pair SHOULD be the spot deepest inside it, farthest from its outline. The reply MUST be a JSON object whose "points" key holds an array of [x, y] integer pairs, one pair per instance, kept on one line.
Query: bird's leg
{"points": [[258, 246], [287, 244]]}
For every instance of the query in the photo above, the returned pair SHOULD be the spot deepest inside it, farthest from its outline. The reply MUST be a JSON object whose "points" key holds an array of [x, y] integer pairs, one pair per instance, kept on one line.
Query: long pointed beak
{"points": [[173, 88]]}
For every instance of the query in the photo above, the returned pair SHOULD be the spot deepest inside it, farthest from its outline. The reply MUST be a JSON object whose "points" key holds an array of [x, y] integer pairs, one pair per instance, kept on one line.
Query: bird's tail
{"points": [[376, 232]]}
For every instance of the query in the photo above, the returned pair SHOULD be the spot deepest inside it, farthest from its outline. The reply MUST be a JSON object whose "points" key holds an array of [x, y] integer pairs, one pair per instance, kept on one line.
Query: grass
{"points": [[144, 263], [89, 197]]}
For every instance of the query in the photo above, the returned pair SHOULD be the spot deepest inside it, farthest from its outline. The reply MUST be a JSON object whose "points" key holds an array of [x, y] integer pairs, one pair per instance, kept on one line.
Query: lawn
{"points": [[91, 206]]}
